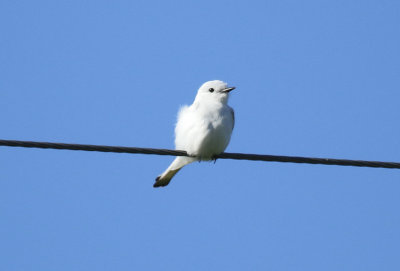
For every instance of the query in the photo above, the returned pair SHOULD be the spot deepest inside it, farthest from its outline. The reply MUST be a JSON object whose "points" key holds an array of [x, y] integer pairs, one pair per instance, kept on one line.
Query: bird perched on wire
{"points": [[203, 129]]}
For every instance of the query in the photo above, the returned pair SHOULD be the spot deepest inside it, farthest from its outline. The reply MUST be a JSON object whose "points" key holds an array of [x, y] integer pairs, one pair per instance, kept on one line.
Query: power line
{"points": [[225, 155]]}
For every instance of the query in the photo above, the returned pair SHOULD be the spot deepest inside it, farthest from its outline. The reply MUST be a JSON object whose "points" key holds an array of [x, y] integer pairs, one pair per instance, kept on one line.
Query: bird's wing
{"points": [[233, 116]]}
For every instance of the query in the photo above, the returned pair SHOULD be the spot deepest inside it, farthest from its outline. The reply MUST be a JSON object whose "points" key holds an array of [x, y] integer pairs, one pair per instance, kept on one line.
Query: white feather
{"points": [[203, 129]]}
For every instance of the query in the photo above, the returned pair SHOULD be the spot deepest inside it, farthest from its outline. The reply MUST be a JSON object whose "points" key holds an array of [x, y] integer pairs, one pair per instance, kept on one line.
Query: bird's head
{"points": [[215, 90]]}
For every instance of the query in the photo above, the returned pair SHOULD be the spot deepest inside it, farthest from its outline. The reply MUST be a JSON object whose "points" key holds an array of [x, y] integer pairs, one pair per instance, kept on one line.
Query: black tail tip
{"points": [[159, 183]]}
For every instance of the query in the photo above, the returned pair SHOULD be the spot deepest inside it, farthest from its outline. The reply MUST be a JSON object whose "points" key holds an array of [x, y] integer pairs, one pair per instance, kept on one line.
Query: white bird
{"points": [[203, 129]]}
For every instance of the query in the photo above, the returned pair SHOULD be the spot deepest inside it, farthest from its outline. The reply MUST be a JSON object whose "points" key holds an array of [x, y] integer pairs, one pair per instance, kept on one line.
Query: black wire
{"points": [[237, 156]]}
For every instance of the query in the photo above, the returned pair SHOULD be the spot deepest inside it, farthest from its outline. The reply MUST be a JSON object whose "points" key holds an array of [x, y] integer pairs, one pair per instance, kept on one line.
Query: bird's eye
{"points": [[211, 90]]}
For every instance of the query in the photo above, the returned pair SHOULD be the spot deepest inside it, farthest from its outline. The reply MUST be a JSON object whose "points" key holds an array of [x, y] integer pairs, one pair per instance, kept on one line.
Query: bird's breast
{"points": [[204, 131]]}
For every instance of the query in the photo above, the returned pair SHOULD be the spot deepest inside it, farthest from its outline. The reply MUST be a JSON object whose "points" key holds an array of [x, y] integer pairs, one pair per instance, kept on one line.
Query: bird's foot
{"points": [[214, 158]]}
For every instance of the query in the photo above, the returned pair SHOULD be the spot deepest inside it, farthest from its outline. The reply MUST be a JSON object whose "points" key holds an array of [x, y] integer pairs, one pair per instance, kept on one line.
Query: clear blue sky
{"points": [[313, 78]]}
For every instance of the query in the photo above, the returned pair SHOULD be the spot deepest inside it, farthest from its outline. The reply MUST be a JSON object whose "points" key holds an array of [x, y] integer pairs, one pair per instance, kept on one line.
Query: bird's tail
{"points": [[176, 165]]}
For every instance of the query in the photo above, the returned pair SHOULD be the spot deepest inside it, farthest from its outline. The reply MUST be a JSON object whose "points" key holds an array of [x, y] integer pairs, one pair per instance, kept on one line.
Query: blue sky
{"points": [[313, 78]]}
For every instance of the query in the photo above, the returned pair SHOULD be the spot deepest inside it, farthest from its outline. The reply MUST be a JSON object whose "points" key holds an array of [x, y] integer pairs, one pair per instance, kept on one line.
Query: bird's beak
{"points": [[228, 89]]}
